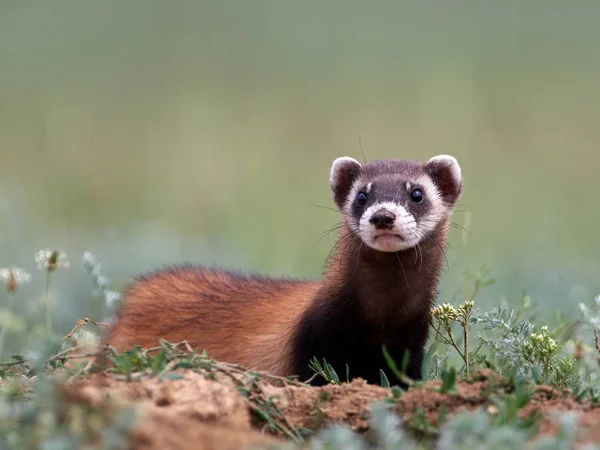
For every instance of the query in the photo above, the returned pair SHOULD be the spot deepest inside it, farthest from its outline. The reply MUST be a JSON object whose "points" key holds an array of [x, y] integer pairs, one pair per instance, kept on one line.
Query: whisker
{"points": [[361, 147], [326, 233], [462, 210], [328, 208], [343, 252], [402, 267], [336, 245], [348, 238], [358, 254], [335, 227], [459, 227]]}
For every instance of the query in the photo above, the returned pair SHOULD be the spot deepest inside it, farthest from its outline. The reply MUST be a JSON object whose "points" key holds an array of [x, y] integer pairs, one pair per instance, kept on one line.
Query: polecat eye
{"points": [[416, 196], [361, 198]]}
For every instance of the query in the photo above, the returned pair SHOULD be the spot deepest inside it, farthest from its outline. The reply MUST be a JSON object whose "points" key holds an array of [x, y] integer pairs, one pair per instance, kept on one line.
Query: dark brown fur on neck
{"points": [[370, 299]]}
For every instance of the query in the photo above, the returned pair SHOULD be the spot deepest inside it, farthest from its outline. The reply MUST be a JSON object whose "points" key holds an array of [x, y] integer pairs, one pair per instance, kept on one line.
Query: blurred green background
{"points": [[152, 132]]}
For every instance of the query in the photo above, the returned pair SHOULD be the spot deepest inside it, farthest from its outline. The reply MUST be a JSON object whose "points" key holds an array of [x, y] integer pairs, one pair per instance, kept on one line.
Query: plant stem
{"points": [[48, 315], [455, 345], [3, 332], [2, 338], [466, 346], [449, 339]]}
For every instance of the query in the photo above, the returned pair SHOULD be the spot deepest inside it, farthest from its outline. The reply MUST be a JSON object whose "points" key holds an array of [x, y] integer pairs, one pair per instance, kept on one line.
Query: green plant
{"points": [[13, 278], [325, 370], [445, 316], [448, 381], [49, 261]]}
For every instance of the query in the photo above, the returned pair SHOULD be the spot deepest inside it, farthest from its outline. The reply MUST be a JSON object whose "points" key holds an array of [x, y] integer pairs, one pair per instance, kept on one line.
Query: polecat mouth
{"points": [[388, 235]]}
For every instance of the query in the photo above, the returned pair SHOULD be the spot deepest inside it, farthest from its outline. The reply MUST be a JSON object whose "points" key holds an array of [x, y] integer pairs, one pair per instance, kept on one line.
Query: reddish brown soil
{"points": [[198, 413]]}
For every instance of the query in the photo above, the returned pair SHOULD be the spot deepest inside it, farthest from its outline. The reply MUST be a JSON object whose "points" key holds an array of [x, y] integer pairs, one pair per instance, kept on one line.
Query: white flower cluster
{"points": [[94, 268], [51, 260], [13, 277], [592, 318]]}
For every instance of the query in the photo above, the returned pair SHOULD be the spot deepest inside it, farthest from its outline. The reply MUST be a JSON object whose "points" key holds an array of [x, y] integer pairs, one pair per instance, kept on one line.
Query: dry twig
{"points": [[82, 323]]}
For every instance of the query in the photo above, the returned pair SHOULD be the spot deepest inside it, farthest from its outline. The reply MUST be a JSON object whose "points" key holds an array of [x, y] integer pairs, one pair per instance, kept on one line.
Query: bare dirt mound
{"points": [[192, 412], [201, 413]]}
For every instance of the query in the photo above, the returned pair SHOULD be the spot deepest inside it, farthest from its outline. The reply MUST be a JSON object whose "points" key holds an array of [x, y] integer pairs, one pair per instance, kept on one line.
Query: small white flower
{"points": [[13, 277], [51, 260], [89, 260], [86, 338], [101, 282], [111, 298]]}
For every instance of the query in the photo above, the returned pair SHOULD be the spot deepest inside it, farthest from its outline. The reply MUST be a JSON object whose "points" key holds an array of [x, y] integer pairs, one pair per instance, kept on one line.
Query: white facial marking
{"points": [[433, 194], [404, 234], [351, 197], [451, 162], [369, 186], [408, 185], [437, 208], [338, 165]]}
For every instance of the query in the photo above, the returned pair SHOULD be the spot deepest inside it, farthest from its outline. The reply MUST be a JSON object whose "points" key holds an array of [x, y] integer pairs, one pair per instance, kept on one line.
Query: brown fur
{"points": [[236, 318]]}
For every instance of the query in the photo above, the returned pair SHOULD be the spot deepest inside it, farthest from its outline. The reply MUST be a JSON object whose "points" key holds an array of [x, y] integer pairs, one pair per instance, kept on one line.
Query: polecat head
{"points": [[393, 205]]}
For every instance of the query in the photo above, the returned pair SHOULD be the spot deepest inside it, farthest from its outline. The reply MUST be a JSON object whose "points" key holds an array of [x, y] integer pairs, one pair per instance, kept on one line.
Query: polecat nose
{"points": [[383, 219]]}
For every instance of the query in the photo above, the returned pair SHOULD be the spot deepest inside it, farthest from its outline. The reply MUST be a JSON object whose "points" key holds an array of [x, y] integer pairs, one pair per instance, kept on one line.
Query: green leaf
{"points": [[184, 365], [405, 360], [397, 391], [392, 365], [316, 365], [448, 381], [159, 361], [330, 372], [174, 376], [390, 361], [384, 379]]}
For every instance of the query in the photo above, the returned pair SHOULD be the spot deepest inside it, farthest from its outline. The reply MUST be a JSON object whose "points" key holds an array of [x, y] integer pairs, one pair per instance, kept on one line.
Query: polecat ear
{"points": [[343, 173], [445, 172]]}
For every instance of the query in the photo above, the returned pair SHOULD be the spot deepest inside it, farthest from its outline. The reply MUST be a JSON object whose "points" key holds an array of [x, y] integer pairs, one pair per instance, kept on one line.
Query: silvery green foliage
{"points": [[591, 317], [590, 323], [39, 422], [565, 437], [508, 342], [468, 431], [385, 424], [387, 427], [438, 363], [473, 431], [337, 437], [101, 283]]}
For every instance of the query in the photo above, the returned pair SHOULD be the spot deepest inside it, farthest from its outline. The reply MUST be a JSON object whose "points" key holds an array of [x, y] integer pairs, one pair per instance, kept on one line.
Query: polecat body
{"points": [[378, 287]]}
